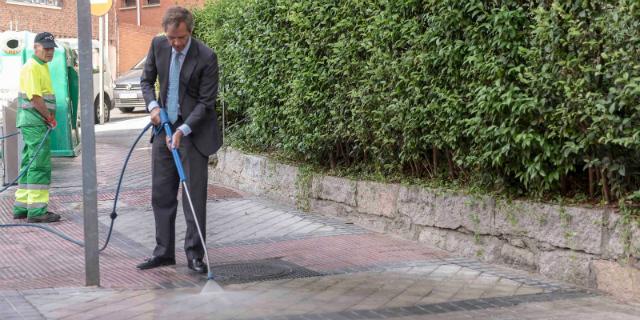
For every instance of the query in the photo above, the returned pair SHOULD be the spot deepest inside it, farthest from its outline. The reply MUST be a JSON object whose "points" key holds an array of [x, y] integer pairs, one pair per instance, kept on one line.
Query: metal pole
{"points": [[101, 69], [138, 12], [107, 47], [221, 90], [89, 181]]}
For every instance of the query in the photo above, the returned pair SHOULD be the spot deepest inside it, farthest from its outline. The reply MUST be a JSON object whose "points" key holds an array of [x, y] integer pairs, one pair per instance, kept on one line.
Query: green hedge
{"points": [[537, 97]]}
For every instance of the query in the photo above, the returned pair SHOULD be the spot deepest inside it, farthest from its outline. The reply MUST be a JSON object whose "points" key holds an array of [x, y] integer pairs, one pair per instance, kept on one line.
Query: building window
{"points": [[152, 2], [39, 3], [128, 3]]}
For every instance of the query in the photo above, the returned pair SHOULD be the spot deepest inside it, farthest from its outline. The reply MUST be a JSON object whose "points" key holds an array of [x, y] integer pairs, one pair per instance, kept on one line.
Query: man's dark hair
{"points": [[176, 15]]}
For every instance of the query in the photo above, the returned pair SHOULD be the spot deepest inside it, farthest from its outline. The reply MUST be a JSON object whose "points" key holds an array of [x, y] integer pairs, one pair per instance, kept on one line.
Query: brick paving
{"points": [[352, 273]]}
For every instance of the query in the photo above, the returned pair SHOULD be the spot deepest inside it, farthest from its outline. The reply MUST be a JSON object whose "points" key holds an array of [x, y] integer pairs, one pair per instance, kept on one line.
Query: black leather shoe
{"points": [[197, 265], [45, 218], [19, 216], [155, 262]]}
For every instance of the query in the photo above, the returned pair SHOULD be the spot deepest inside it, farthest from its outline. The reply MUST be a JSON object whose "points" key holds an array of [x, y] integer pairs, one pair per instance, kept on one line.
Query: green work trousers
{"points": [[32, 196]]}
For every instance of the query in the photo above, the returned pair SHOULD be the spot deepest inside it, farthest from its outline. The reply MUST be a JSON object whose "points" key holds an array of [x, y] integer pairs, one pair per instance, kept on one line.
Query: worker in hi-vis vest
{"points": [[36, 114]]}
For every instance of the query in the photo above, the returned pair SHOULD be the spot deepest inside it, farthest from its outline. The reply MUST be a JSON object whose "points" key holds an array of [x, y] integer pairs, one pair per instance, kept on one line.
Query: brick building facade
{"points": [[128, 38], [56, 16], [135, 36]]}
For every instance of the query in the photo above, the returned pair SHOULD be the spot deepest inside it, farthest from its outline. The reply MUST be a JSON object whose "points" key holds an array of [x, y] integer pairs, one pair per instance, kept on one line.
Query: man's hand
{"points": [[51, 121], [177, 137], [174, 142], [41, 107], [155, 116]]}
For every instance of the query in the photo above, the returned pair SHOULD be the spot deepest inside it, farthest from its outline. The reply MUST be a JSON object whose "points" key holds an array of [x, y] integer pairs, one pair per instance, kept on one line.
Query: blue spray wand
{"points": [[164, 119]]}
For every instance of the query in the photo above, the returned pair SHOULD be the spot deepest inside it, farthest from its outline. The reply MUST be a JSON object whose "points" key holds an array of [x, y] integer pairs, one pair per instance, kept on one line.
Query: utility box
{"points": [[17, 48]]}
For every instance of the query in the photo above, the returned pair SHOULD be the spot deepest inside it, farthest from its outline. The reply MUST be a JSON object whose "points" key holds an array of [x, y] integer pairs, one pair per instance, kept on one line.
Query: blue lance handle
{"points": [[164, 120]]}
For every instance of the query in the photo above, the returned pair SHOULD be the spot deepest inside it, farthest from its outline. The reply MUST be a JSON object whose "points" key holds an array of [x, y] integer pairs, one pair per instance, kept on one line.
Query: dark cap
{"points": [[46, 39]]}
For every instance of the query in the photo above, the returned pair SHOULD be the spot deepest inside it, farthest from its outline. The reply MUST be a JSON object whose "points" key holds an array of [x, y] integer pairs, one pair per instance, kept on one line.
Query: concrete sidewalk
{"points": [[272, 262]]}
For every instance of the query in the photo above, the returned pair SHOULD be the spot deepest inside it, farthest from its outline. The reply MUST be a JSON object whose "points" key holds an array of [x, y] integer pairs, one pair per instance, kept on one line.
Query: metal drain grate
{"points": [[260, 270]]}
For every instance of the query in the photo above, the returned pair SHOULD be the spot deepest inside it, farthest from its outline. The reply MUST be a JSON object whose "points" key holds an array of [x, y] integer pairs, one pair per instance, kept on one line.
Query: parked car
{"points": [[107, 87], [127, 89]]}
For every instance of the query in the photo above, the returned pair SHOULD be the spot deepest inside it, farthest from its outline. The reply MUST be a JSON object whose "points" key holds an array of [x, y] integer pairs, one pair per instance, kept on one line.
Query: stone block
{"points": [[567, 266], [251, 186], [279, 182], [255, 174], [375, 223], [623, 240], [378, 199], [231, 162], [518, 256], [517, 242], [484, 248], [216, 173], [253, 167], [417, 204], [220, 159], [433, 236], [618, 280], [474, 213], [564, 227], [224, 179], [223, 172], [335, 189], [403, 227], [330, 208]]}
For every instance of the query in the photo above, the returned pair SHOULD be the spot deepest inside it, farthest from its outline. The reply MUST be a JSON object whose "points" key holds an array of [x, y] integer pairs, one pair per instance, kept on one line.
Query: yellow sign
{"points": [[100, 7]]}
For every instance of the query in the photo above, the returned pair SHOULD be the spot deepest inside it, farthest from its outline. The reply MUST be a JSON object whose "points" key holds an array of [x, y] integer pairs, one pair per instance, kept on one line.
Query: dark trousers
{"points": [[164, 196]]}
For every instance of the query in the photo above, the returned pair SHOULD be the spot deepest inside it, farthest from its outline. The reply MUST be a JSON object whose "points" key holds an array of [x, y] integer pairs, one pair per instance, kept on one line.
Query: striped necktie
{"points": [[174, 85]]}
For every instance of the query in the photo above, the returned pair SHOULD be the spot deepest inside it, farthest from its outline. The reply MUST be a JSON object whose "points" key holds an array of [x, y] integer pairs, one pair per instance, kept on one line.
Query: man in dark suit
{"points": [[188, 74]]}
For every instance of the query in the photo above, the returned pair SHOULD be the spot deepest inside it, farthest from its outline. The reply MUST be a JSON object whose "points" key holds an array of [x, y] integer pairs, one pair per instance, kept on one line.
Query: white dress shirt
{"points": [[186, 130]]}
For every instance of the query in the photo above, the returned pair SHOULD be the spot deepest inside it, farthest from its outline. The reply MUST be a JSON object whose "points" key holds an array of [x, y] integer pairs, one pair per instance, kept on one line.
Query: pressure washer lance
{"points": [[164, 119], [113, 215]]}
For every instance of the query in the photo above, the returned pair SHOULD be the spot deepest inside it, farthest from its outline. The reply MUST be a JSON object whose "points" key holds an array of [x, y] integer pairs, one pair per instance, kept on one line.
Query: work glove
{"points": [[51, 122]]}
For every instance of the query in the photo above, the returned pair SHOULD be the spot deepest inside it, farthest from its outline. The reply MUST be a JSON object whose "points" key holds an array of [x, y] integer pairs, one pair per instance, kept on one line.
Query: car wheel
{"points": [[107, 111], [126, 109]]}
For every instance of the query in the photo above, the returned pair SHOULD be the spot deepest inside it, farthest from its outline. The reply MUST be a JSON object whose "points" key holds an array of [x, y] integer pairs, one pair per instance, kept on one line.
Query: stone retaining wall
{"points": [[584, 246]]}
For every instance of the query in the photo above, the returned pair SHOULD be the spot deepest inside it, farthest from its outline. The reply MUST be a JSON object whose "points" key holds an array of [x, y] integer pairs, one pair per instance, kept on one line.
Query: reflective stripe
{"points": [[46, 97], [36, 205], [49, 101], [28, 105], [36, 186], [32, 186], [19, 204]]}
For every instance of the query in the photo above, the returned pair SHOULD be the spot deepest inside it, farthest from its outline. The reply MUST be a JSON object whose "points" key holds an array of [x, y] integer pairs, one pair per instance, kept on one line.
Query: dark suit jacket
{"points": [[198, 89]]}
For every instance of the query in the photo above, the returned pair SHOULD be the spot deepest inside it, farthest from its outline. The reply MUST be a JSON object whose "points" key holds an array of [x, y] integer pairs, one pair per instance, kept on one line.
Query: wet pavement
{"points": [[271, 262]]}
